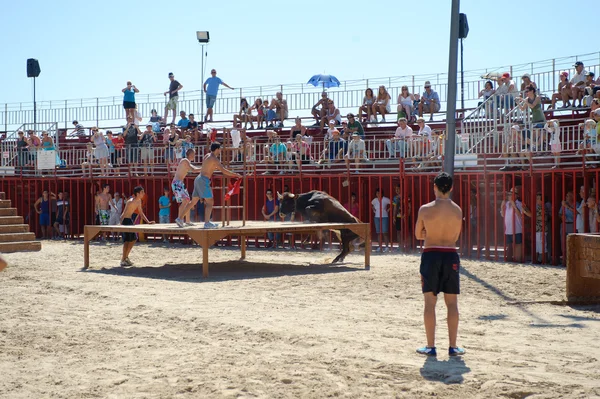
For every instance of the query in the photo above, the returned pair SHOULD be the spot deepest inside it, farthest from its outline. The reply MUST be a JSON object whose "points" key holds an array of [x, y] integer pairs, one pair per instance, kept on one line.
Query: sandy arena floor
{"points": [[287, 328]]}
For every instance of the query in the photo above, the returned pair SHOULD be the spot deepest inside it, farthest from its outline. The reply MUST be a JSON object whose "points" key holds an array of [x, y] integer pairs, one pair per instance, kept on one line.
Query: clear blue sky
{"points": [[90, 49]]}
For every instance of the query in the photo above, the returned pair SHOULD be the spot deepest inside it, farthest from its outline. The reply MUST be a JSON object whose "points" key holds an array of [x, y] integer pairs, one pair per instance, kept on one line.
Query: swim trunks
{"points": [[202, 187], [128, 237], [104, 217], [440, 270], [180, 191]]}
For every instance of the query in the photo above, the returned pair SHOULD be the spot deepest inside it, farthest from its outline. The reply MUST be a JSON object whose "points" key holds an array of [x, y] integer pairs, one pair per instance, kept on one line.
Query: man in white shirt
{"points": [[398, 142], [512, 210], [578, 83], [381, 209]]}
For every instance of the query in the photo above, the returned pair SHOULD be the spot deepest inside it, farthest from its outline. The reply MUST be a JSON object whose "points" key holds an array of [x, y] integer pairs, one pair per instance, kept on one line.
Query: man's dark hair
{"points": [[286, 188], [187, 152], [443, 182], [191, 115], [353, 194], [215, 146], [137, 190], [378, 190], [105, 185]]}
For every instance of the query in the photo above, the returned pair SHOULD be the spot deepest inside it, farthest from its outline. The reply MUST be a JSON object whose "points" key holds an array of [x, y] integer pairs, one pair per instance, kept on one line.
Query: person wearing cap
{"points": [[211, 88], [564, 91], [526, 81], [578, 84], [506, 92], [356, 151], [430, 102], [129, 99], [397, 144], [147, 151], [173, 91]]}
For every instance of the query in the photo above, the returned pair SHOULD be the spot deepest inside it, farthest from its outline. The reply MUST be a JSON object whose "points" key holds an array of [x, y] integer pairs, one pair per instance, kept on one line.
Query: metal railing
{"points": [[300, 97]]}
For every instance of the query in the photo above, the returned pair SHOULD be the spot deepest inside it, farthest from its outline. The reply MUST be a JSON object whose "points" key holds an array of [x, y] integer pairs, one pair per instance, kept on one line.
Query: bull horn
{"points": [[279, 196], [292, 195]]}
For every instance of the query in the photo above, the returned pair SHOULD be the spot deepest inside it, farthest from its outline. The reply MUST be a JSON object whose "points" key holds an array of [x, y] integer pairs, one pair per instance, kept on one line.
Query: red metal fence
{"points": [[480, 195]]}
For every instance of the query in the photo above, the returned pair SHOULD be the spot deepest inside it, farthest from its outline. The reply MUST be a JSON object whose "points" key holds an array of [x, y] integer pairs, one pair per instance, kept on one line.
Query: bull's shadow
{"points": [[225, 271]]}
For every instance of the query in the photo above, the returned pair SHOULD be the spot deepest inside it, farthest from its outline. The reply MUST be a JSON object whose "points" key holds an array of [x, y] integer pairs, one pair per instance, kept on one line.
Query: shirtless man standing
{"points": [[102, 206], [439, 224], [202, 188], [133, 205], [178, 186]]}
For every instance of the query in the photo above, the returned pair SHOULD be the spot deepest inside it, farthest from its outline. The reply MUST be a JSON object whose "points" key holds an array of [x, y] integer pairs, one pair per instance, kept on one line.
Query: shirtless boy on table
{"points": [[133, 205], [202, 187], [439, 224], [178, 186]]}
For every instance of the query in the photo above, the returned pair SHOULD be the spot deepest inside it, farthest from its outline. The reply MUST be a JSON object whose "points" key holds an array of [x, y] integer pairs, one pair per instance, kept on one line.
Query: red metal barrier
{"points": [[478, 194]]}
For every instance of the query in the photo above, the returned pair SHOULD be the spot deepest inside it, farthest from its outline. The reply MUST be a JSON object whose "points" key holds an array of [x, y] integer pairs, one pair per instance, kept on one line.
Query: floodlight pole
{"points": [[202, 86], [449, 149], [34, 108]]}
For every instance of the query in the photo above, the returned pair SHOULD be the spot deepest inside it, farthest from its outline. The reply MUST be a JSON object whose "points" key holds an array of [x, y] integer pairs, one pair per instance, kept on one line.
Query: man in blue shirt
{"points": [[430, 102], [165, 209], [184, 121], [211, 88]]}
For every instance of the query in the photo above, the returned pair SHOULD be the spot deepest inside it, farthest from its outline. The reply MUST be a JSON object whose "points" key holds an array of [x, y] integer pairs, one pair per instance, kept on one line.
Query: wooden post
{"points": [[243, 246], [205, 246]]}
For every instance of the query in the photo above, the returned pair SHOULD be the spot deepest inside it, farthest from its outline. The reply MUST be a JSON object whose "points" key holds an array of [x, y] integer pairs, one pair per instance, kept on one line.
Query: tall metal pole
{"points": [[202, 86], [452, 72], [462, 77], [34, 108]]}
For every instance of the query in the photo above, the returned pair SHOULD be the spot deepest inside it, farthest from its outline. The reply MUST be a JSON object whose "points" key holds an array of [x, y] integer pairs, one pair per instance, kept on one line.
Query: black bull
{"points": [[320, 207]]}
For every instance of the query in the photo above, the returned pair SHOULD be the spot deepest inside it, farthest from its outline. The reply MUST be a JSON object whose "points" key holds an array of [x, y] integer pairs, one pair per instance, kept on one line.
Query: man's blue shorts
{"points": [[44, 219], [202, 187], [210, 101], [383, 229]]}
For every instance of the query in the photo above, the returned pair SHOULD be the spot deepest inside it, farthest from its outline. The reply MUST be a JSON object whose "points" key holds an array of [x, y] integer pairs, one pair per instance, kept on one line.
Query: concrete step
{"points": [[7, 247], [8, 211], [12, 237], [14, 228], [5, 204], [4, 220]]}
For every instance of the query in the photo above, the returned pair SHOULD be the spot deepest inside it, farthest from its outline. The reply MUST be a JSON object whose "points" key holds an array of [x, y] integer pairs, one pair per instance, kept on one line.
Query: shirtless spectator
{"points": [[133, 205], [178, 186], [103, 208], [278, 110], [318, 110], [202, 188], [398, 143], [430, 102], [332, 115], [578, 84], [439, 224]]}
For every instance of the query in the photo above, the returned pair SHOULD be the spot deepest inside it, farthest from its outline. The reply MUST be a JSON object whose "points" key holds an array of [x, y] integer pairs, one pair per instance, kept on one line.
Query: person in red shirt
{"points": [[119, 144], [352, 206]]}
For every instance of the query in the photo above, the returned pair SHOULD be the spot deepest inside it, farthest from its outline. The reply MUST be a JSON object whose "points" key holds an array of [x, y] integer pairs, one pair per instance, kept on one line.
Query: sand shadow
{"points": [[225, 271], [493, 317], [449, 371]]}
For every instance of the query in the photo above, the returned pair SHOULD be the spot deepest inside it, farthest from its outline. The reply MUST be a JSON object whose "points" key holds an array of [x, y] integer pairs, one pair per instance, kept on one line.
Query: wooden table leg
{"points": [[367, 247], [86, 248], [243, 246], [205, 247]]}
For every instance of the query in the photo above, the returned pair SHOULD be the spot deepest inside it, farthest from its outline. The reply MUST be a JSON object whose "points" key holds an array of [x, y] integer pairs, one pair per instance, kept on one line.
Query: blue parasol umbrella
{"points": [[324, 80]]}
